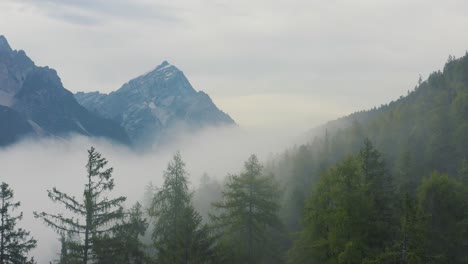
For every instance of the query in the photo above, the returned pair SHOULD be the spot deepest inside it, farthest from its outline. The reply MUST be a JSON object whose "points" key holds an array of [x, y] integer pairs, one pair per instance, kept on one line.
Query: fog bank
{"points": [[33, 166]]}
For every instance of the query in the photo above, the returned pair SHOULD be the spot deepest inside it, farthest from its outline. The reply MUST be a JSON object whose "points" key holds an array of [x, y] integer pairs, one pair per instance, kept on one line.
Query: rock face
{"points": [[13, 126], [151, 105], [34, 102]]}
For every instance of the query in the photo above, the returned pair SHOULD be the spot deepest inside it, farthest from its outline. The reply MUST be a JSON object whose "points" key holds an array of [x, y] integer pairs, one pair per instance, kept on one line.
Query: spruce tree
{"points": [[124, 246], [178, 235], [95, 215], [249, 208], [15, 243], [380, 191]]}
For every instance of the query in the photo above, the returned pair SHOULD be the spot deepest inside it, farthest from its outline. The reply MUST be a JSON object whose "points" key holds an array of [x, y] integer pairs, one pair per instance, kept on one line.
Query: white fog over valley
{"points": [[32, 167]]}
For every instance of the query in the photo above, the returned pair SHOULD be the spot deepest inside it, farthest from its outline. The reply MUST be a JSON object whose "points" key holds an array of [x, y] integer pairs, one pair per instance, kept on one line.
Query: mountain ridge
{"points": [[150, 105], [35, 95]]}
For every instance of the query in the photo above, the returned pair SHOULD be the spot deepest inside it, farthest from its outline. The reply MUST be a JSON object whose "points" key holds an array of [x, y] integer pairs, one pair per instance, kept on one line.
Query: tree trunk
{"points": [[2, 239], [249, 228]]}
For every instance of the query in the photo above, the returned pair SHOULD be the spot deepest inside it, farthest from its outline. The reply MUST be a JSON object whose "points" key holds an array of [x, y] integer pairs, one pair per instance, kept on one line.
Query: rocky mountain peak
{"points": [[35, 102], [153, 104], [165, 70], [163, 64], [4, 46]]}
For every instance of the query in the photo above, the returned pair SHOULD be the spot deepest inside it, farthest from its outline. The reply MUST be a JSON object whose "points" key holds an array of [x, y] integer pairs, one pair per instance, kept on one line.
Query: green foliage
{"points": [[336, 218], [15, 243], [133, 227], [410, 244], [352, 217], [246, 214], [124, 245], [96, 216], [380, 192], [425, 131], [444, 202], [179, 235], [70, 250]]}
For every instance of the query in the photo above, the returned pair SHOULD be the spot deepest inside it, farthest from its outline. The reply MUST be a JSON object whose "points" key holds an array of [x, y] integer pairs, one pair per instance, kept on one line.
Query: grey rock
{"points": [[35, 98], [151, 105]]}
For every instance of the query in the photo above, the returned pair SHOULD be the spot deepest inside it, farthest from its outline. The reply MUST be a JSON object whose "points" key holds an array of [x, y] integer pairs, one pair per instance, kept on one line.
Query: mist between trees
{"points": [[388, 185], [355, 212]]}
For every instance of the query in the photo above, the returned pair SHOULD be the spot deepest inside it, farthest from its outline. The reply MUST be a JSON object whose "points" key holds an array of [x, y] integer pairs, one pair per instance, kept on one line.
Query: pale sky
{"points": [[265, 62]]}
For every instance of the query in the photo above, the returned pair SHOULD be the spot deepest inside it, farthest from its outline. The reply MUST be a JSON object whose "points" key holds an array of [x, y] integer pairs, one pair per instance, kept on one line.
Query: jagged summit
{"points": [[4, 44], [153, 103], [165, 69], [163, 64], [34, 102]]}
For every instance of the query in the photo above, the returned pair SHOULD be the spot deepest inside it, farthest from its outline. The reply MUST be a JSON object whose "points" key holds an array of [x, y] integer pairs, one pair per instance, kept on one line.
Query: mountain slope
{"points": [[14, 126], [149, 106], [37, 95], [425, 131], [430, 123]]}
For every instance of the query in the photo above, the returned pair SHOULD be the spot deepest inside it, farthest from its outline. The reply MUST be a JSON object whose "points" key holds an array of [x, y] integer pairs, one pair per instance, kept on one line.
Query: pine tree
{"points": [[15, 243], [249, 208], [95, 215], [178, 234], [380, 191]]}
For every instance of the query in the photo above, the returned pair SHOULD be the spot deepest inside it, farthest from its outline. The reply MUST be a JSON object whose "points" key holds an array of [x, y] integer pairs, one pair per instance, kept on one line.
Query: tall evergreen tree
{"points": [[249, 208], [15, 243], [178, 235], [380, 190], [336, 218], [95, 215]]}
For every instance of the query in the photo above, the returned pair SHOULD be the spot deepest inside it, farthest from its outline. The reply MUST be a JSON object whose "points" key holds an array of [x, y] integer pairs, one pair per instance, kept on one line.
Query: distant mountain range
{"points": [[150, 106], [34, 103]]}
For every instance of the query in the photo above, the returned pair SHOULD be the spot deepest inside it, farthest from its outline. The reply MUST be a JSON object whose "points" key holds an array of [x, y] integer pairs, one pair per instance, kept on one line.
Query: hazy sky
{"points": [[265, 62]]}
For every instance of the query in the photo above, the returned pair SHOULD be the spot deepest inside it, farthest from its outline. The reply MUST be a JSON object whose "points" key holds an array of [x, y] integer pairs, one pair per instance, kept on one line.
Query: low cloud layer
{"points": [[31, 168]]}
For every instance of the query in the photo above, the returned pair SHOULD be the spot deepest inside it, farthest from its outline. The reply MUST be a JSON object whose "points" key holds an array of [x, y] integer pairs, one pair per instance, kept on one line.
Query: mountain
{"points": [[34, 102], [151, 105]]}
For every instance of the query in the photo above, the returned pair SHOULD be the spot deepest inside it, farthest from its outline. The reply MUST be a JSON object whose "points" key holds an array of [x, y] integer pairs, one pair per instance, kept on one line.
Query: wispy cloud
{"points": [[94, 12]]}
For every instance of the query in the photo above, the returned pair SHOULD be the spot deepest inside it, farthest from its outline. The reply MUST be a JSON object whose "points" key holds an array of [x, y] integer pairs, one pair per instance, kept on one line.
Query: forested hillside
{"points": [[423, 141], [430, 123]]}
